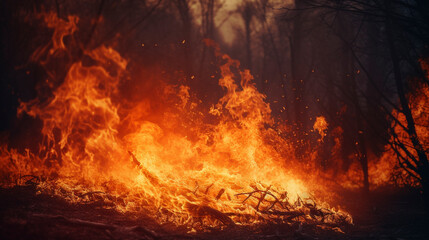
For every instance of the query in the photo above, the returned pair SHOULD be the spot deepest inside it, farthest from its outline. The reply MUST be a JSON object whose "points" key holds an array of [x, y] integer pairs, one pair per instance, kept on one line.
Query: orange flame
{"points": [[229, 173], [321, 125]]}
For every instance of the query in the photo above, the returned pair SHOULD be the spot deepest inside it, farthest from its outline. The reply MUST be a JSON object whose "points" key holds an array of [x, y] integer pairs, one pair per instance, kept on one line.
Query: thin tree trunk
{"points": [[185, 15], [247, 21], [296, 72]]}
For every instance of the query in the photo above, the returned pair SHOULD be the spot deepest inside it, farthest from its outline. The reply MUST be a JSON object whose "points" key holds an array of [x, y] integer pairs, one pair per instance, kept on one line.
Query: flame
{"points": [[62, 28], [170, 163], [389, 169], [418, 101], [321, 125]]}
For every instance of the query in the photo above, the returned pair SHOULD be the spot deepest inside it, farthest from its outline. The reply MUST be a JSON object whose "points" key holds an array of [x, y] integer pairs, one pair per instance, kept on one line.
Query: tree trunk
{"points": [[296, 68], [247, 15], [186, 18]]}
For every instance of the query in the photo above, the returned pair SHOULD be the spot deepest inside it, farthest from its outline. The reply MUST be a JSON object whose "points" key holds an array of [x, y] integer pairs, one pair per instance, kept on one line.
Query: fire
{"points": [[321, 125], [402, 173], [173, 165], [388, 169]]}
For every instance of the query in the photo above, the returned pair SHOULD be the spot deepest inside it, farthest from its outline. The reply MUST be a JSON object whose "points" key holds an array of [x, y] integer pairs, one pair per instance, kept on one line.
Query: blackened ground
{"points": [[27, 215]]}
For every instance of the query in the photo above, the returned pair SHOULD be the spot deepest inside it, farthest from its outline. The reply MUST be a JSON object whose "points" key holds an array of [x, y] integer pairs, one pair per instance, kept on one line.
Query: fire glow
{"points": [[178, 168]]}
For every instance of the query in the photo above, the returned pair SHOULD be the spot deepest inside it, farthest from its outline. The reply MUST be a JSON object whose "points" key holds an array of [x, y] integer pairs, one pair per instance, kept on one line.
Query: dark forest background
{"points": [[352, 61]]}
